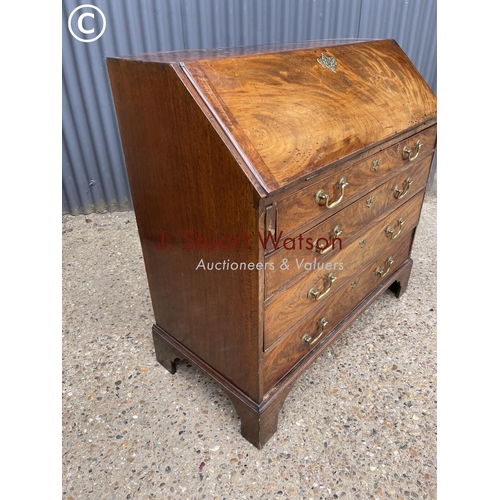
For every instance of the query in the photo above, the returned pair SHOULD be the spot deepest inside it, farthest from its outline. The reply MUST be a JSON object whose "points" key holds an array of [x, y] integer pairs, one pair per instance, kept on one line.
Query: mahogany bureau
{"points": [[277, 191]]}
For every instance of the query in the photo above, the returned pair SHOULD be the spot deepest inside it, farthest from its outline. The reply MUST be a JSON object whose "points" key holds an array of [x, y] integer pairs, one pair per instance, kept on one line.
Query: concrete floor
{"points": [[359, 424]]}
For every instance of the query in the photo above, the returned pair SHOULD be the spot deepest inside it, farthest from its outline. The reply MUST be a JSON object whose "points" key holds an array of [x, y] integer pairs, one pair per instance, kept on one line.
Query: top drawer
{"points": [[325, 197]]}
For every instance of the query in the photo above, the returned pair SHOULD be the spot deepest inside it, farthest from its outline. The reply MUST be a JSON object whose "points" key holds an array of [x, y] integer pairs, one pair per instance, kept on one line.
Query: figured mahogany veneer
{"points": [[229, 152], [291, 303], [351, 221], [362, 176]]}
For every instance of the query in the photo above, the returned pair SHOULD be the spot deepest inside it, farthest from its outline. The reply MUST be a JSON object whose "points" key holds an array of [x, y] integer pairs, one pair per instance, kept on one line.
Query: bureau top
{"points": [[293, 109]]}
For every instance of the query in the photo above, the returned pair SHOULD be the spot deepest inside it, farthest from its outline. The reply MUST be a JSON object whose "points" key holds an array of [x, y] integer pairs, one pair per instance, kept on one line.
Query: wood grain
{"points": [[291, 303], [279, 360], [182, 179], [179, 56], [294, 116], [351, 220], [230, 144], [301, 207]]}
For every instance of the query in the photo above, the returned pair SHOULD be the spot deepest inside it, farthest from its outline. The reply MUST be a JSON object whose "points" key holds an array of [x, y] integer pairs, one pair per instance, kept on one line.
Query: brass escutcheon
{"points": [[328, 62], [354, 284], [376, 164], [362, 243], [369, 201]]}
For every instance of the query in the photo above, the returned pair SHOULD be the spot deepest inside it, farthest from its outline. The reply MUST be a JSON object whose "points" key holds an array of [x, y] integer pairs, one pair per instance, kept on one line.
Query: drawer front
{"points": [[314, 201], [292, 348], [350, 221], [291, 304]]}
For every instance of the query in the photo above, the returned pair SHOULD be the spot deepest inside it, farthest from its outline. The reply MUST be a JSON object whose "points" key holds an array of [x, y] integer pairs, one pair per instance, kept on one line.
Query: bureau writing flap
{"points": [[289, 110], [293, 112]]}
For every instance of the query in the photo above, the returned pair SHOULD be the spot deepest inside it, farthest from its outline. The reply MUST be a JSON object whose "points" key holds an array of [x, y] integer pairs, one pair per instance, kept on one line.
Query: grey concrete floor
{"points": [[359, 424]]}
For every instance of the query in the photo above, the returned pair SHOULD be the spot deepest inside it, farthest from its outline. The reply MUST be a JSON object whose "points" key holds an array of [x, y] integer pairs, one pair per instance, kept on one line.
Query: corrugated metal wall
{"points": [[94, 174]]}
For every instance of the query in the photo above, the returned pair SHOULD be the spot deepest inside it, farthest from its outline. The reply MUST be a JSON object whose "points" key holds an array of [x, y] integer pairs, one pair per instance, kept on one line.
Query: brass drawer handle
{"points": [[322, 198], [390, 232], [401, 193], [407, 151], [336, 232], [307, 339], [390, 262], [314, 294]]}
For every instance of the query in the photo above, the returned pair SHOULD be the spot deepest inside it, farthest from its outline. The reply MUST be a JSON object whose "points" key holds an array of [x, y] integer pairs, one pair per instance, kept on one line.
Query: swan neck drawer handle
{"points": [[307, 339], [322, 198], [401, 193], [380, 272], [336, 232], [407, 152], [390, 232], [315, 294]]}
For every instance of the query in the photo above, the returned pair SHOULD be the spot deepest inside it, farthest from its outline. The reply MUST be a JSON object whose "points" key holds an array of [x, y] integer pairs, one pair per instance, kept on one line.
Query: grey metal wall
{"points": [[94, 174]]}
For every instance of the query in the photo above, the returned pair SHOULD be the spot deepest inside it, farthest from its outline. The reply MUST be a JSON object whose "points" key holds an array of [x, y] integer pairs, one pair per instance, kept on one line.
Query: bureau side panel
{"points": [[195, 209]]}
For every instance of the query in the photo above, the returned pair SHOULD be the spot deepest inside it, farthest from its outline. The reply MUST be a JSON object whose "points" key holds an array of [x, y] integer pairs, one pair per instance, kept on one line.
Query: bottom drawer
{"points": [[317, 327]]}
